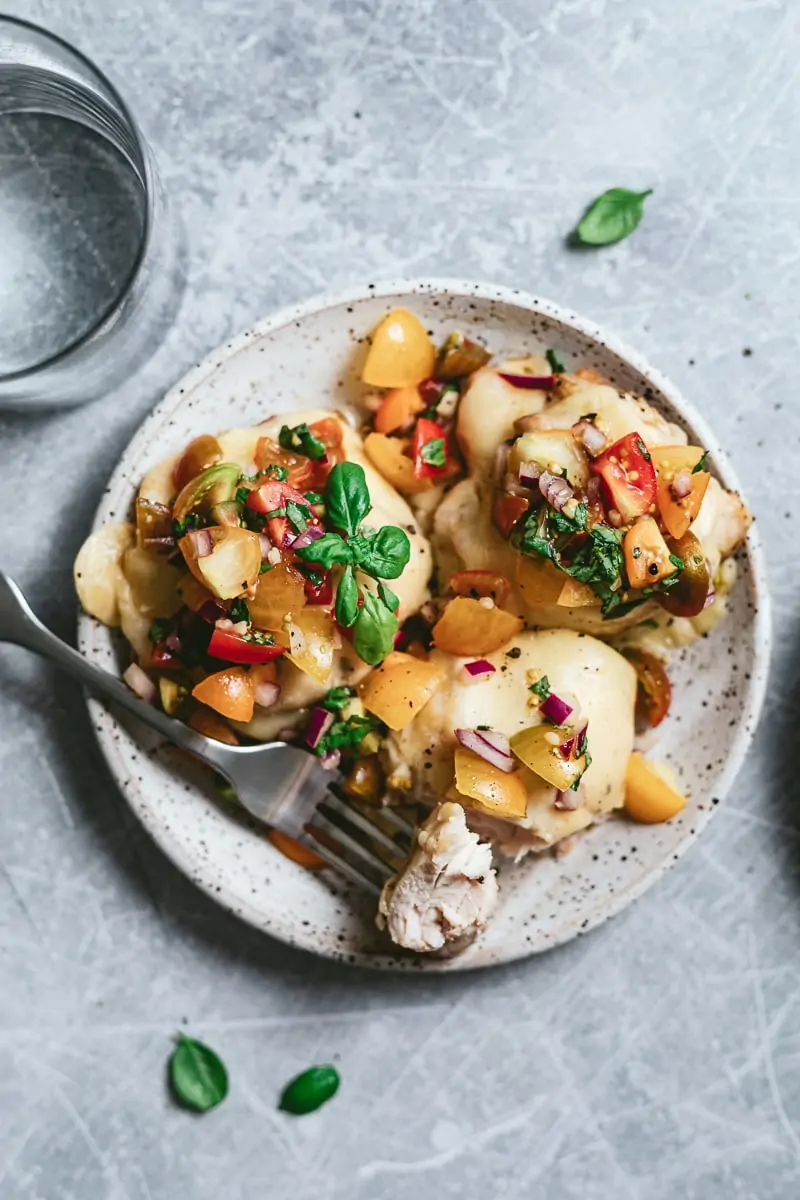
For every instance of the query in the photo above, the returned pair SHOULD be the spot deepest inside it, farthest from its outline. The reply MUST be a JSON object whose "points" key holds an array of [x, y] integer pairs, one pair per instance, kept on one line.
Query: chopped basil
{"points": [[640, 446], [701, 464], [239, 610], [556, 365], [347, 735], [265, 566], [676, 562], [338, 698], [541, 688], [242, 495], [637, 551], [301, 440], [433, 453], [298, 515], [314, 498], [158, 631], [276, 512]]}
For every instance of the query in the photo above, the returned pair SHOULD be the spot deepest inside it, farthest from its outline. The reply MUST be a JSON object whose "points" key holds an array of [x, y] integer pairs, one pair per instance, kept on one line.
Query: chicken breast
{"points": [[602, 680], [446, 890]]}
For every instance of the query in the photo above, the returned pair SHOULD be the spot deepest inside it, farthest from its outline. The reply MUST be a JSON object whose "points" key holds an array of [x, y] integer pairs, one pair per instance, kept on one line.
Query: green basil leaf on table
{"points": [[612, 217], [347, 598], [387, 554], [347, 497], [327, 551], [374, 630], [310, 1090], [198, 1076]]}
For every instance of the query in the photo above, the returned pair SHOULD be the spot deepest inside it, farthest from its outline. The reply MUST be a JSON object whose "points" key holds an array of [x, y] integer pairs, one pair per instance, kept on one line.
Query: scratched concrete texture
{"points": [[314, 143]]}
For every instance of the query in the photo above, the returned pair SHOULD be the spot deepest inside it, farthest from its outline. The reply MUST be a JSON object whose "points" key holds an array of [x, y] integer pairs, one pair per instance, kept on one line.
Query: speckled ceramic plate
{"points": [[309, 355]]}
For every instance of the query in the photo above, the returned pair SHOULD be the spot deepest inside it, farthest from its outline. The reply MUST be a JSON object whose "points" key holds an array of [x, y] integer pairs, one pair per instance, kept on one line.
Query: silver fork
{"points": [[280, 784]]}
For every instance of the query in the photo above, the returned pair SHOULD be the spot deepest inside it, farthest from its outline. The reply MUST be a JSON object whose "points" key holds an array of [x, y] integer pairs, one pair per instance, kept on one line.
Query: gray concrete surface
{"points": [[310, 144]]}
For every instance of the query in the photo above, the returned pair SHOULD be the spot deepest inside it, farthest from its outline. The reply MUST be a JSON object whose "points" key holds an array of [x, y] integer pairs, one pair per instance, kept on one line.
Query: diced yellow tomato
{"points": [[591, 376], [397, 408], [210, 724], [193, 593], [201, 453], [388, 455], [473, 627], [577, 595], [315, 628], [229, 692], [399, 688], [539, 748], [646, 553], [296, 851], [401, 353], [153, 582], [669, 461], [539, 580], [278, 592], [233, 564], [649, 799], [500, 793]]}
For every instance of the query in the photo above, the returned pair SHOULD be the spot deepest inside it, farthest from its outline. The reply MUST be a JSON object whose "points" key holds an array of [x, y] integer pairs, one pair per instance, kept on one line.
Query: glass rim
{"points": [[108, 311]]}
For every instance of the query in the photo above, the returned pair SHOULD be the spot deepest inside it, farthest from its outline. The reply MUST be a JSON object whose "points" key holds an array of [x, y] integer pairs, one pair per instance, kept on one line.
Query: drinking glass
{"points": [[90, 254]]}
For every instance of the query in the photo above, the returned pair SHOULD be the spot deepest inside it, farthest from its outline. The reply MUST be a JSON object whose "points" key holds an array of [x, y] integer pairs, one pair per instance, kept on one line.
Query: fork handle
{"points": [[20, 625]]}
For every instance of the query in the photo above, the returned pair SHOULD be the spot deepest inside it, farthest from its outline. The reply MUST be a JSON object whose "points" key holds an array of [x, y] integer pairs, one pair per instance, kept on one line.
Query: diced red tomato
{"points": [[319, 593], [235, 649], [329, 431], [507, 510], [628, 477], [272, 496], [163, 658], [426, 432], [481, 583]]}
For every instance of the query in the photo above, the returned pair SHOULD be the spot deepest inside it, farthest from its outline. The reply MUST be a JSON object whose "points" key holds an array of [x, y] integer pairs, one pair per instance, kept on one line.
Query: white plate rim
{"points": [[107, 729]]}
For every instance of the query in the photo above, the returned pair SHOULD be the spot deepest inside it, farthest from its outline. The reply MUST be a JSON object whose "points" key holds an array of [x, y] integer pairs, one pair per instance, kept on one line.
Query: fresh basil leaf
{"points": [[556, 365], [326, 551], [374, 630], [198, 1076], [388, 597], [309, 1090], [349, 734], [612, 217], [347, 598], [386, 555], [701, 465], [541, 688], [298, 515], [347, 497], [676, 562], [301, 440], [433, 453], [575, 524]]}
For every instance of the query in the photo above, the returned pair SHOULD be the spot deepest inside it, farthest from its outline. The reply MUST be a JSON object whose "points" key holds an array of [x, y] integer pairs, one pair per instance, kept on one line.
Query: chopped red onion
{"points": [[312, 534], [541, 383], [569, 749], [265, 542], [568, 801], [710, 596], [140, 683], [490, 746], [555, 709], [289, 538], [159, 545], [592, 438], [319, 722], [555, 490], [265, 694], [481, 668], [681, 485], [212, 611], [202, 542], [331, 760], [529, 474]]}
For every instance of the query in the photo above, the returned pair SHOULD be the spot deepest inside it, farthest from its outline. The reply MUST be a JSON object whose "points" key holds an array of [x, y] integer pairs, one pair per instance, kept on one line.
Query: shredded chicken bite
{"points": [[446, 889]]}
